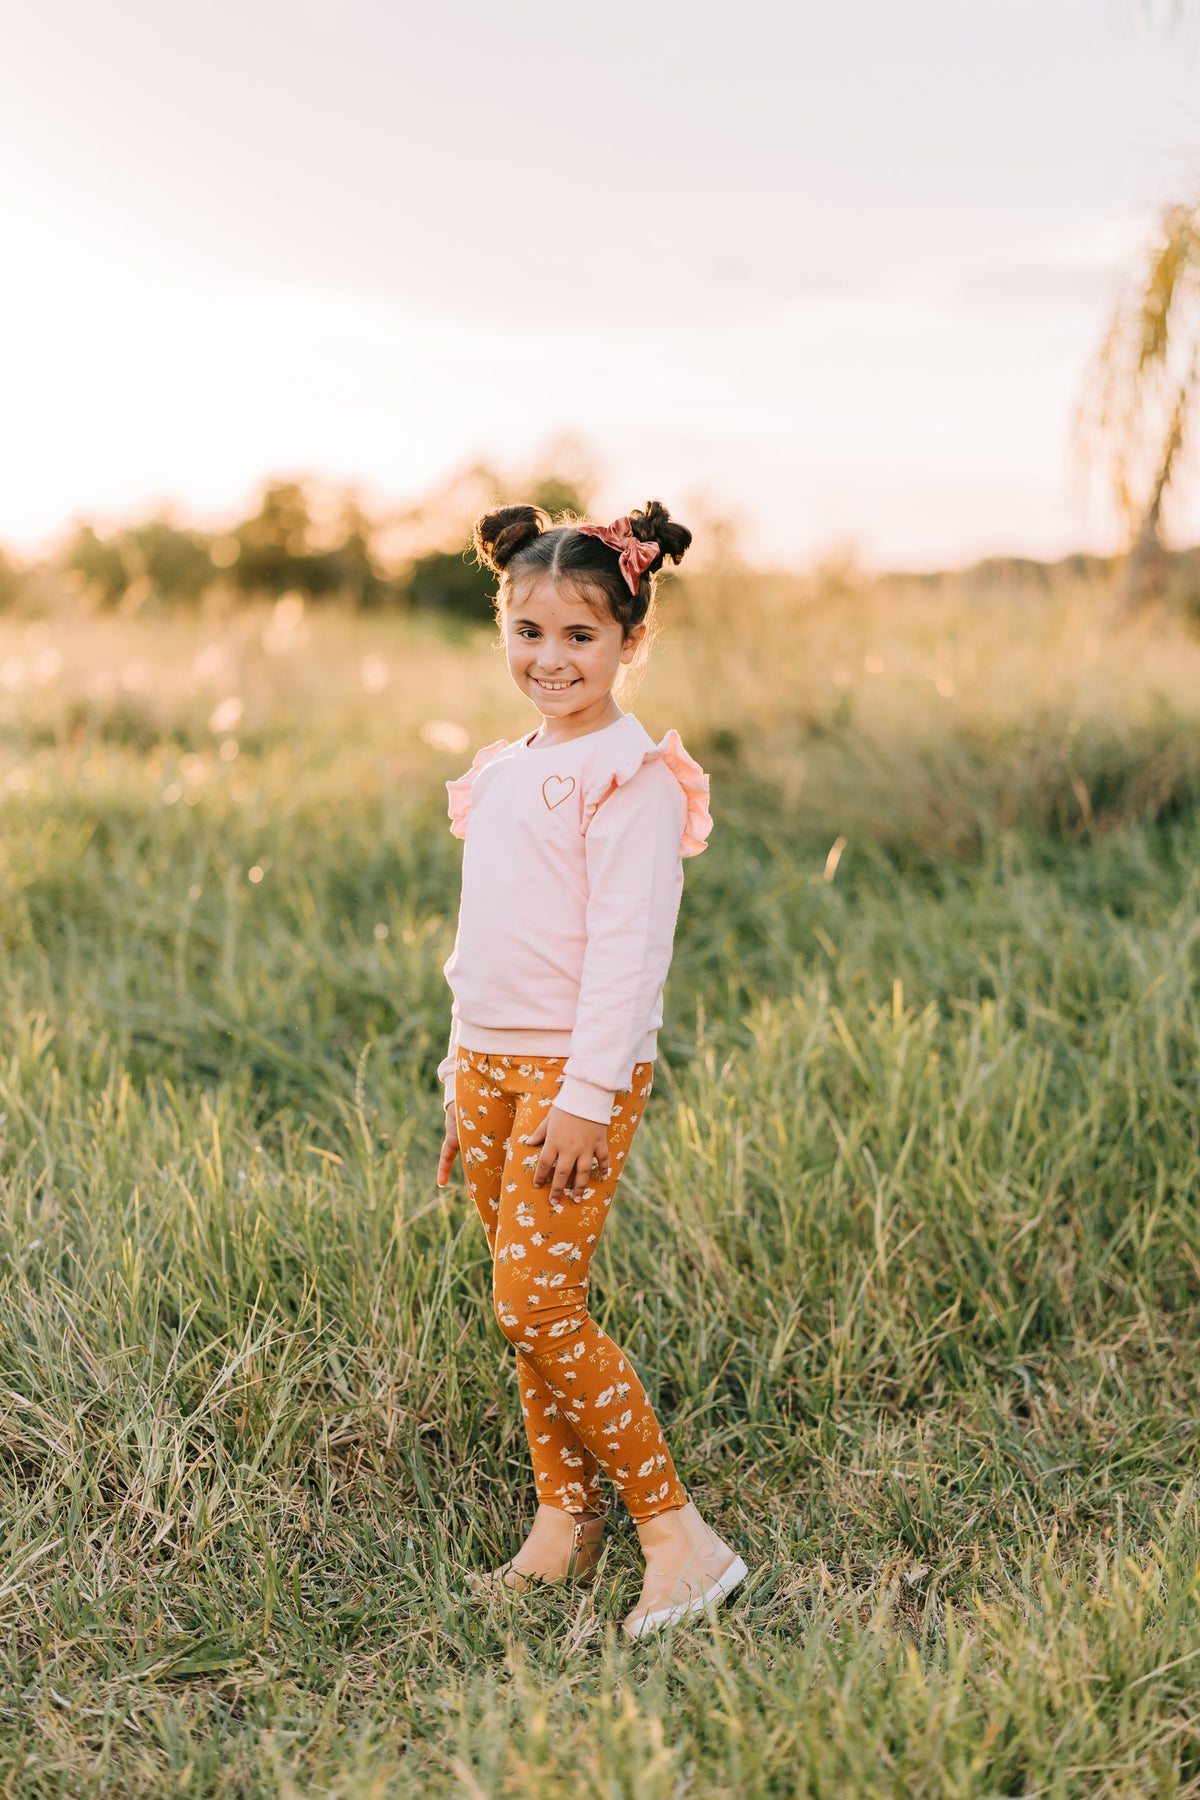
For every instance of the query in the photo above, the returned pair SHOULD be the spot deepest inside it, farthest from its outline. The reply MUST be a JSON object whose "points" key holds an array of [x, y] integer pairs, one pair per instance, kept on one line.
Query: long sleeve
{"points": [[635, 880], [449, 1062]]}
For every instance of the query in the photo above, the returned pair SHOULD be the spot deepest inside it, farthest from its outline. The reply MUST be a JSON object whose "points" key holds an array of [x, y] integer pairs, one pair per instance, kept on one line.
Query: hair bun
{"points": [[501, 535], [655, 525]]}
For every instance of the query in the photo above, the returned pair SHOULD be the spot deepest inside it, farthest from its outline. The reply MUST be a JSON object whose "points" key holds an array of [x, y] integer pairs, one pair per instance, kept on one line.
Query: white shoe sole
{"points": [[642, 1623]]}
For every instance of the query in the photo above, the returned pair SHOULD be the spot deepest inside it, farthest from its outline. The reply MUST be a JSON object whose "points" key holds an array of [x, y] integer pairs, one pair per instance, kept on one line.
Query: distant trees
{"points": [[1141, 395], [99, 564], [1142, 392], [10, 580], [278, 551], [328, 547]]}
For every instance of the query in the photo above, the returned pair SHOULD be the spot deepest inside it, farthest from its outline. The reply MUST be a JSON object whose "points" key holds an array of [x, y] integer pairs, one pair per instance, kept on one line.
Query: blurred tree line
{"points": [[1138, 415], [299, 539]]}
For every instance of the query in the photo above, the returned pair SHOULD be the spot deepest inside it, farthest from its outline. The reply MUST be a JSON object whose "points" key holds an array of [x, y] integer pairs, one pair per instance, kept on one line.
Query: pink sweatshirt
{"points": [[572, 874]]}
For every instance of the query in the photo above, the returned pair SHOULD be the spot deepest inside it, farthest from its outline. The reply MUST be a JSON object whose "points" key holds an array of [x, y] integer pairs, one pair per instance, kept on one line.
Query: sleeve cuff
{"points": [[585, 1099], [448, 1093]]}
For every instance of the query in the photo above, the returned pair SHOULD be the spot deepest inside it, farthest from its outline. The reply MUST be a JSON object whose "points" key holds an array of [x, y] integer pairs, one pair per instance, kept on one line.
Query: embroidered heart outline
{"points": [[563, 786]]}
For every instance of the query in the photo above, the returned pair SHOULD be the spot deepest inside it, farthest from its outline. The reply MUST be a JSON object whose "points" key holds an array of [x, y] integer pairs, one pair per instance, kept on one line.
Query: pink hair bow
{"points": [[636, 554]]}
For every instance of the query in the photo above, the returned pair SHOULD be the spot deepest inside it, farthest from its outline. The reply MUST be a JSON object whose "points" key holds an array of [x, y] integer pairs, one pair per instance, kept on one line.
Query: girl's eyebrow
{"points": [[588, 625]]}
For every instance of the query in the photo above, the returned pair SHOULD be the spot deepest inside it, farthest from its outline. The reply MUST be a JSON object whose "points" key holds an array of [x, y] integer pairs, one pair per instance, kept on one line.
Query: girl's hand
{"points": [[449, 1147], [570, 1147]]}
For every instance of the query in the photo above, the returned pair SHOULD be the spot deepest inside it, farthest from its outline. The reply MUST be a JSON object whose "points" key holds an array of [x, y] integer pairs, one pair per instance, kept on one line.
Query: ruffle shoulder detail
{"points": [[459, 790], [687, 772]]}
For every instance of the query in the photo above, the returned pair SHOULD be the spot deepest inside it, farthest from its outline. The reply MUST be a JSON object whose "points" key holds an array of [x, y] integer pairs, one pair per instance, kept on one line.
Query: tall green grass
{"points": [[909, 1251]]}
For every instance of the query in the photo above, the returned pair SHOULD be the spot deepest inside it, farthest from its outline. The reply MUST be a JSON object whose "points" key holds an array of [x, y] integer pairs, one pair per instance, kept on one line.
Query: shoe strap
{"points": [[579, 1537]]}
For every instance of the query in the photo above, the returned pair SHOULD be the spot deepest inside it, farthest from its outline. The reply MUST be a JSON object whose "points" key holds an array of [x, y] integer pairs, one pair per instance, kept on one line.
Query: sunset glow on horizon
{"points": [[844, 293]]}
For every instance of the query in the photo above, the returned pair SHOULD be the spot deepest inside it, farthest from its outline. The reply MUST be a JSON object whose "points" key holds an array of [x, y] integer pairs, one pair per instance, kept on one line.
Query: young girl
{"points": [[572, 876]]}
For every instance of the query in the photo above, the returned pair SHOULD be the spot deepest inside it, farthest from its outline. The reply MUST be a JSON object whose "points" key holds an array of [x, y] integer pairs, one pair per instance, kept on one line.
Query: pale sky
{"points": [[834, 270]]}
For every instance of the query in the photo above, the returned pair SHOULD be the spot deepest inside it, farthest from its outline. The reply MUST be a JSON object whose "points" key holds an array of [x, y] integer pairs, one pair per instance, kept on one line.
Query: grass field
{"points": [[908, 1253]]}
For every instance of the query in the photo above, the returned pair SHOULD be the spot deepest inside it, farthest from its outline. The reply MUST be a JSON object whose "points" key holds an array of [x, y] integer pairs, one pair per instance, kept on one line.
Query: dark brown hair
{"points": [[519, 540]]}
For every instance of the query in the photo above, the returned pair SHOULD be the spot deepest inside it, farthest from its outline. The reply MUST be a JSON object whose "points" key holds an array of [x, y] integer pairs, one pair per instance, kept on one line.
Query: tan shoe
{"points": [[688, 1568], [561, 1546]]}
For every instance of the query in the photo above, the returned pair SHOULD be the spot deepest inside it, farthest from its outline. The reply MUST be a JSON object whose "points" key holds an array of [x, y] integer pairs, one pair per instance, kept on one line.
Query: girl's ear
{"points": [[633, 639]]}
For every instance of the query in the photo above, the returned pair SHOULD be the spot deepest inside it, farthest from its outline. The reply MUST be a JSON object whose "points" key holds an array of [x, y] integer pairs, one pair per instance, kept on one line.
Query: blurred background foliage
{"points": [[306, 540], [302, 537]]}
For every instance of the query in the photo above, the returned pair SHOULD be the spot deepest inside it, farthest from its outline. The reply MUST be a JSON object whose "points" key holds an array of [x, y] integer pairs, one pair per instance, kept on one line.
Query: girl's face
{"points": [[565, 654]]}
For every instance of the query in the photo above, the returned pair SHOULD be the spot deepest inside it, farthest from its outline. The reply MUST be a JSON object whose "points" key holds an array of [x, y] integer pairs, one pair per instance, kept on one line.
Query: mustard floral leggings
{"points": [[586, 1413]]}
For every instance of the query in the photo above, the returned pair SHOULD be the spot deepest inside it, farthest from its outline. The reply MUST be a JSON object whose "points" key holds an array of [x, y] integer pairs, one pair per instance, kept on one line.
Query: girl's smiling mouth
{"points": [[554, 687]]}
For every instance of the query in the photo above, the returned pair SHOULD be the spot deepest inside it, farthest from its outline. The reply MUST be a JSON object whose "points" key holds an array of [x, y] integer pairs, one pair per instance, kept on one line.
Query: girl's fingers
{"points": [[564, 1171], [571, 1170]]}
